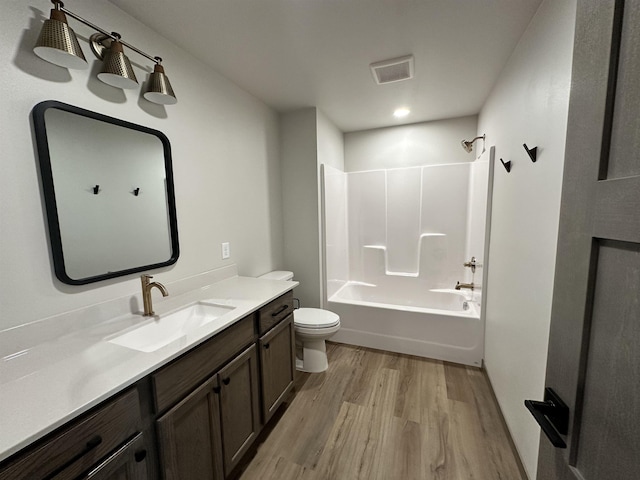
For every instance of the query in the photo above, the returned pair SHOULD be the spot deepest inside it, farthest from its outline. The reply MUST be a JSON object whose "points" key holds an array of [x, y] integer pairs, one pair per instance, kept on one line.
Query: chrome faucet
{"points": [[146, 293], [459, 285]]}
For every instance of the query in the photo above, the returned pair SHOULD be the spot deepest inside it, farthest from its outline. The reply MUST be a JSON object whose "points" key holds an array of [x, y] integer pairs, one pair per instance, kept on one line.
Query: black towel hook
{"points": [[506, 165], [136, 191], [533, 153], [96, 189]]}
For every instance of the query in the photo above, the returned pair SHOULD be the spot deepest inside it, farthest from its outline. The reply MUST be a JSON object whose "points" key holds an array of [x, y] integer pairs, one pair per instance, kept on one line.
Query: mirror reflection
{"points": [[108, 189]]}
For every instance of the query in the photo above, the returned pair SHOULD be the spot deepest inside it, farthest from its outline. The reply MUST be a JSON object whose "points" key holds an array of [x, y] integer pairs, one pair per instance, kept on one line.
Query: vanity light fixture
{"points": [[401, 112], [116, 68], [158, 89], [59, 45]]}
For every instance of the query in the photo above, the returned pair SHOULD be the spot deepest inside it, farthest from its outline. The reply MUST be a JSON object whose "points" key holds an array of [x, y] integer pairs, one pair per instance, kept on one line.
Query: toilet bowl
{"points": [[312, 327]]}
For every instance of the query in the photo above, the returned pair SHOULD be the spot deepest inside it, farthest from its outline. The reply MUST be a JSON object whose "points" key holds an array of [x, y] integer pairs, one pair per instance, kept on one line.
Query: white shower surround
{"points": [[395, 243]]}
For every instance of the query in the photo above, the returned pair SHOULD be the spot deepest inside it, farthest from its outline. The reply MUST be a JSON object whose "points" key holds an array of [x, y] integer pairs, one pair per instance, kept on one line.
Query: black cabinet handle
{"points": [[279, 311], [216, 389], [552, 415], [93, 443], [266, 346], [90, 445], [140, 455], [226, 381]]}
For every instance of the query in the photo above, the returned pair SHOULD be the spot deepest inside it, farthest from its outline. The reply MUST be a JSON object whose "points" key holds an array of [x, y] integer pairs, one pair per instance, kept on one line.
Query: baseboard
{"points": [[523, 472]]}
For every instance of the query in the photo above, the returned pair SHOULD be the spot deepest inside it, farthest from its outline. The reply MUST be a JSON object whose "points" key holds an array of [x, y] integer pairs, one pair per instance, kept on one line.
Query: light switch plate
{"points": [[226, 250]]}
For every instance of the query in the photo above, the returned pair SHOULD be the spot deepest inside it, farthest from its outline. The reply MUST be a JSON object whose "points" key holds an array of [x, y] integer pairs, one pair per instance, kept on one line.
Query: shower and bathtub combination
{"points": [[396, 245]]}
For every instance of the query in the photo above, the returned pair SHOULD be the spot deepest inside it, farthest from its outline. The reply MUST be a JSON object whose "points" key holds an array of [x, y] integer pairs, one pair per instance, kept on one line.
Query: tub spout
{"points": [[459, 285]]}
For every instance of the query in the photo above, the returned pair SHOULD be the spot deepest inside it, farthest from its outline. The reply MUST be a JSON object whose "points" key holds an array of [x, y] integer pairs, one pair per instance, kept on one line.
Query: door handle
{"points": [[552, 415]]}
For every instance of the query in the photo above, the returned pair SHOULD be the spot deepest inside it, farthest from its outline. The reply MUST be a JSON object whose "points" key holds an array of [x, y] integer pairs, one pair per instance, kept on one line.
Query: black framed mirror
{"points": [[108, 191]]}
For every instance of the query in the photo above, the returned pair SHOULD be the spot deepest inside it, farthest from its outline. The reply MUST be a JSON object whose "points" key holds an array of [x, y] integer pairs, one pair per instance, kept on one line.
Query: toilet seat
{"points": [[314, 318]]}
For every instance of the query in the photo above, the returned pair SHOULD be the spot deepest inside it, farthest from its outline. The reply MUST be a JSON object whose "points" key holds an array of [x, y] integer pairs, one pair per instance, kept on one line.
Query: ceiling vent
{"points": [[393, 70]]}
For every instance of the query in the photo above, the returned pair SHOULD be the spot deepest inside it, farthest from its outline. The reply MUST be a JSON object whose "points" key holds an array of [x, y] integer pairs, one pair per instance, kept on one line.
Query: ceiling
{"points": [[299, 53]]}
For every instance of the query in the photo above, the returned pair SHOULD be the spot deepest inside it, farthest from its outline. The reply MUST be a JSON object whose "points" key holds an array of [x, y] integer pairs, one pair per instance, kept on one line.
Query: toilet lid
{"points": [[315, 318]]}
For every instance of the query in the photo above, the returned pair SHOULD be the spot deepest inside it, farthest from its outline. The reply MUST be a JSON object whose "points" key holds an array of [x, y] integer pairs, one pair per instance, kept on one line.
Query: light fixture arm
{"points": [[114, 36]]}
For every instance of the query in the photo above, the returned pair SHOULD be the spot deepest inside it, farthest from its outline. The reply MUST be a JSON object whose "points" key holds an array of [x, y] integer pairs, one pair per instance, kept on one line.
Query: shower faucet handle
{"points": [[472, 264]]}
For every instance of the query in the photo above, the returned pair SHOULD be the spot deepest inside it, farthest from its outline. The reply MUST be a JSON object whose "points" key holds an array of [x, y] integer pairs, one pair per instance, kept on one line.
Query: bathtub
{"points": [[440, 324]]}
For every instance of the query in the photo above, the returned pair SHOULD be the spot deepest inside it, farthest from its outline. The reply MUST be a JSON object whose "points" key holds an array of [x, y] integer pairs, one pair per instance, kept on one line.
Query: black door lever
{"points": [[552, 415]]}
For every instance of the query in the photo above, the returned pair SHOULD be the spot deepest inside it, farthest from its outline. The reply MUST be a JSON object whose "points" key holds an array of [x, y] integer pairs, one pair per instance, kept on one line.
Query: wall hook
{"points": [[96, 189], [506, 165], [136, 191], [533, 153]]}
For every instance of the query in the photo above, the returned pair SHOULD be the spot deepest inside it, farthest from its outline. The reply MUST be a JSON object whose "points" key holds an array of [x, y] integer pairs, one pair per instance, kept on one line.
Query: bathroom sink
{"points": [[161, 331]]}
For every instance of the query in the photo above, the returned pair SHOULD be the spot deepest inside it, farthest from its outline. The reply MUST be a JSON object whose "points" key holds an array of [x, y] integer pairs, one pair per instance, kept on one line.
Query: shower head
{"points": [[468, 144]]}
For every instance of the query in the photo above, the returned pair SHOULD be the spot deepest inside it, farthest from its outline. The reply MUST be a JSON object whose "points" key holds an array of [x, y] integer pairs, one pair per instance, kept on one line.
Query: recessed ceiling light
{"points": [[401, 112]]}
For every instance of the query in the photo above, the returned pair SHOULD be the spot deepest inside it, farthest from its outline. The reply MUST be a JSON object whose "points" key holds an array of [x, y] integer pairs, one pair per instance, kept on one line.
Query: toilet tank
{"points": [[278, 275]]}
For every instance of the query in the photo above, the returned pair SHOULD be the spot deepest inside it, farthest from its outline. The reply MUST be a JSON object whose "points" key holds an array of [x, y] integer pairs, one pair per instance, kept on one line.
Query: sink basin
{"points": [[159, 332]]}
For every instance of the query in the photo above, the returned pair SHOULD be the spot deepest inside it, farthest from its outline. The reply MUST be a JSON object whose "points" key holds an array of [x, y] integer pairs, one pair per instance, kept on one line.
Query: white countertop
{"points": [[45, 386]]}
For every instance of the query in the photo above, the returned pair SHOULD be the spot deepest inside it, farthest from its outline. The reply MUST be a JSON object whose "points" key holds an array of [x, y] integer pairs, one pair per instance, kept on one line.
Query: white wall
{"points": [[528, 104], [225, 160], [298, 140], [412, 145], [330, 142], [307, 140]]}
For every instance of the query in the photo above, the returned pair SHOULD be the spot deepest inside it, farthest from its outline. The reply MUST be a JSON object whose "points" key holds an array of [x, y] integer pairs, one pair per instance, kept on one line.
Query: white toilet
{"points": [[312, 326]]}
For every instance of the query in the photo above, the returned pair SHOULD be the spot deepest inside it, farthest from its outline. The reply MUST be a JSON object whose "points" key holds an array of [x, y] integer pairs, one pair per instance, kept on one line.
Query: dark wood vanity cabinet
{"points": [[105, 443], [206, 434], [277, 361], [207, 407]]}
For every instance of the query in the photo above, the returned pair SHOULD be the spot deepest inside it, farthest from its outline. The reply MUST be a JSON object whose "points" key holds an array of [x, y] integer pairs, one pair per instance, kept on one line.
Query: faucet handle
{"points": [[145, 280], [472, 264]]}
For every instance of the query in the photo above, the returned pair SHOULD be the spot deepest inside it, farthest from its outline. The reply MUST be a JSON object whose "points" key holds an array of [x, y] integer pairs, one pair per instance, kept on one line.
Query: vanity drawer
{"points": [[176, 380], [68, 453], [276, 311]]}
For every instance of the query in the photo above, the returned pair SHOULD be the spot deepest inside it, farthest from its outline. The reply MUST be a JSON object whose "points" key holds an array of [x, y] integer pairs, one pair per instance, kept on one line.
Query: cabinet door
{"points": [[277, 360], [128, 462], [239, 411], [189, 436]]}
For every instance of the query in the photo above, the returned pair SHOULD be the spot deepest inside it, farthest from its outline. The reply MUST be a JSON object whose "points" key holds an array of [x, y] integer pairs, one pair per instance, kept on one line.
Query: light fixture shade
{"points": [[58, 44], [116, 68], [158, 89]]}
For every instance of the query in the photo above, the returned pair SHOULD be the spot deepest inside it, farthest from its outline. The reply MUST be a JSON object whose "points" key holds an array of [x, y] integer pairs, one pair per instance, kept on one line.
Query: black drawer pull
{"points": [[552, 415], [90, 445], [266, 346], [140, 455], [279, 311], [93, 443], [216, 389], [226, 381]]}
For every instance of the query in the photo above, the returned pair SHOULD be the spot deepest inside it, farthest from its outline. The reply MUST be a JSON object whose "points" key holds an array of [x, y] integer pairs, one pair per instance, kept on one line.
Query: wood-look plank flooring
{"points": [[379, 415]]}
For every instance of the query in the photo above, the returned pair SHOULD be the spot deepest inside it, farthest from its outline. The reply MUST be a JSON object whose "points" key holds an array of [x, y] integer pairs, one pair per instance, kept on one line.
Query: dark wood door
{"points": [[128, 462], [277, 364], [189, 436], [594, 348], [239, 407]]}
